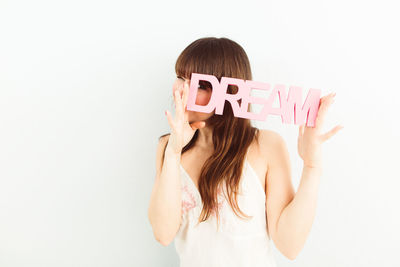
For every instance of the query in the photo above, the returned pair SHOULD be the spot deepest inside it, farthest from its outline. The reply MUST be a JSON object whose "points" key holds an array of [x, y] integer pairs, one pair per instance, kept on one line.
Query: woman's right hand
{"points": [[181, 131]]}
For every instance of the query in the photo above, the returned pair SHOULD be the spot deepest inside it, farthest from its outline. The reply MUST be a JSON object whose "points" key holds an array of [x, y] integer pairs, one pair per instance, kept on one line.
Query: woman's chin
{"points": [[194, 116]]}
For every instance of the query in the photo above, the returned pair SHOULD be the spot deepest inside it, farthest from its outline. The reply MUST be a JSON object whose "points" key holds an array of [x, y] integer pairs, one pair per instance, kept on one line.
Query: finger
{"points": [[185, 93], [325, 103], [185, 98], [325, 97], [332, 132], [301, 130], [182, 98], [178, 104], [186, 116], [174, 96], [169, 118]]}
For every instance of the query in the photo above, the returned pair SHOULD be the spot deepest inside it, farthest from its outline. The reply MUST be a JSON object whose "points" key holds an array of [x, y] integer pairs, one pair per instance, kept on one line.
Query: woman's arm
{"points": [[279, 193], [296, 218], [291, 216], [164, 210]]}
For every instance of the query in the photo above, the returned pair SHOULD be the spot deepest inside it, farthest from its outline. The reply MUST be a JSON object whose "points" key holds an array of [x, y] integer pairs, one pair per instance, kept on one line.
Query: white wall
{"points": [[83, 89]]}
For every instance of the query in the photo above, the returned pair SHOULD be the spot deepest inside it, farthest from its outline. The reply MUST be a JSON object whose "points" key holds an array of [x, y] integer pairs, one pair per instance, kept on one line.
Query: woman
{"points": [[223, 188]]}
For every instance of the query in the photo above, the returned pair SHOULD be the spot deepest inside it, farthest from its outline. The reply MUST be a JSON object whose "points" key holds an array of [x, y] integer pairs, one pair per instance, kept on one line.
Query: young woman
{"points": [[223, 188]]}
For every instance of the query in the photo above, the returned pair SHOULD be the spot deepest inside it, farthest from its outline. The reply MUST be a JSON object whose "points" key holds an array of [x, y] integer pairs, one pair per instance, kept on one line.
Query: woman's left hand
{"points": [[310, 139]]}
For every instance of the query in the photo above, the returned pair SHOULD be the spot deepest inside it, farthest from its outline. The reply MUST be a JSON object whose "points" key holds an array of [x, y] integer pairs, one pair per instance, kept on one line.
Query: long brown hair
{"points": [[231, 136]]}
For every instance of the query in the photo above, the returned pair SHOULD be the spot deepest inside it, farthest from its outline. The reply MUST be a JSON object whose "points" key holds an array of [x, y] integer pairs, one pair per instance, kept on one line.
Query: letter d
{"points": [[194, 84]]}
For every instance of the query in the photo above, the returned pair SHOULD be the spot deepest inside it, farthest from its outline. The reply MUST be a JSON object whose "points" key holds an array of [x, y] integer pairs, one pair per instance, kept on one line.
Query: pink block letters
{"points": [[291, 106]]}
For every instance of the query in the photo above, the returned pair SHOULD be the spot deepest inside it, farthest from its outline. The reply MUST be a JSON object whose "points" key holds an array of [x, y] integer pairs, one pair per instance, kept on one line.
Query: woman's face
{"points": [[203, 97]]}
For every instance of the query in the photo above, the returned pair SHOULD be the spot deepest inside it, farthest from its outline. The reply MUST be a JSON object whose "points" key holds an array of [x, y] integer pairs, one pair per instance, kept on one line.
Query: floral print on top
{"points": [[188, 200]]}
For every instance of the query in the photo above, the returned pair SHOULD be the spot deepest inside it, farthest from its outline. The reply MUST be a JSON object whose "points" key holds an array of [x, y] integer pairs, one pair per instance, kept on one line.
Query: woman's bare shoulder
{"points": [[270, 141], [164, 137], [269, 137]]}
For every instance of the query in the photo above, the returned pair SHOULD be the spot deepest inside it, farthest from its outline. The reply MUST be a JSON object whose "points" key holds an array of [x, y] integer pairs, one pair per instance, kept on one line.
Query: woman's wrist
{"points": [[172, 152], [312, 166], [316, 164]]}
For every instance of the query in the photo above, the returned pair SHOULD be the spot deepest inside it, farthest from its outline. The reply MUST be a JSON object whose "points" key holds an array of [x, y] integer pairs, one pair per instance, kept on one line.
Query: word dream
{"points": [[291, 106]]}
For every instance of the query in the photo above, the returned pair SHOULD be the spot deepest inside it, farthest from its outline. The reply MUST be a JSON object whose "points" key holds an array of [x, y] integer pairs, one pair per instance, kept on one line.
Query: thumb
{"points": [[301, 130]]}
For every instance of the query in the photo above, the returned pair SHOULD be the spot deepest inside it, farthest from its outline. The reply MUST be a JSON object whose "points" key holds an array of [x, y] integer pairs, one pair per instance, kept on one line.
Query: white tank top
{"points": [[238, 242]]}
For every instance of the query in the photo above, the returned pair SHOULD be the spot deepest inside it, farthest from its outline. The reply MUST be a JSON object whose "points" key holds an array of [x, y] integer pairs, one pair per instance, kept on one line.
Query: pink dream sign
{"points": [[289, 106]]}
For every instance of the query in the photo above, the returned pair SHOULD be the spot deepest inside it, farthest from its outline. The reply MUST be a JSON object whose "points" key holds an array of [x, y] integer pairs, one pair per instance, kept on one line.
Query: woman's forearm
{"points": [[165, 205], [297, 217]]}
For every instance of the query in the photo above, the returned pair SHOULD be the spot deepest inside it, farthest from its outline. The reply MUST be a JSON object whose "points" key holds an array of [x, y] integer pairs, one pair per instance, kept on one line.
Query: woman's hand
{"points": [[181, 131], [310, 139]]}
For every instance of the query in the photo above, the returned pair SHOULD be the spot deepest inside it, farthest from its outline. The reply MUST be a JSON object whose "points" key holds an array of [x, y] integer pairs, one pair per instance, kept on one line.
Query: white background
{"points": [[83, 89]]}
